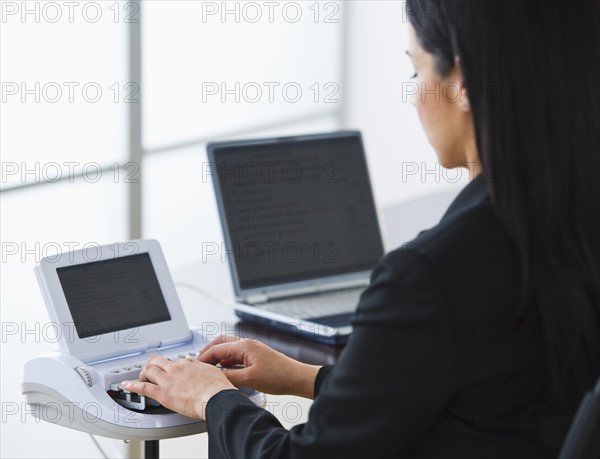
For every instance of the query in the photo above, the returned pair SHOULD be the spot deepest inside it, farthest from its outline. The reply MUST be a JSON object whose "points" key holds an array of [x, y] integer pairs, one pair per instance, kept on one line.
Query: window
{"points": [[106, 111]]}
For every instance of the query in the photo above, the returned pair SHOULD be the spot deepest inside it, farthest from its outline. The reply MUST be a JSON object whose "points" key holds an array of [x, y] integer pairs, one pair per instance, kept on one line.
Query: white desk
{"points": [[215, 318]]}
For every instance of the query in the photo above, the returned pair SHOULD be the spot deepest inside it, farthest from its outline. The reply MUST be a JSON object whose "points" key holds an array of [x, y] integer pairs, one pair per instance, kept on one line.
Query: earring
{"points": [[463, 102]]}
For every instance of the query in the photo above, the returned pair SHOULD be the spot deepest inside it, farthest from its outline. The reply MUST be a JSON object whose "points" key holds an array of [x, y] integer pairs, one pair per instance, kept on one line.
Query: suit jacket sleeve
{"points": [[389, 386], [321, 377]]}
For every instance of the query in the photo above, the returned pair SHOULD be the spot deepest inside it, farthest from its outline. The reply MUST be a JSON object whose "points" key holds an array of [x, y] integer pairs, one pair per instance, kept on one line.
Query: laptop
{"points": [[301, 229]]}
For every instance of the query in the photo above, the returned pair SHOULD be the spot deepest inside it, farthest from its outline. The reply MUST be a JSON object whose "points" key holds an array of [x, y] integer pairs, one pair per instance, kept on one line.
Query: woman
{"points": [[479, 338]]}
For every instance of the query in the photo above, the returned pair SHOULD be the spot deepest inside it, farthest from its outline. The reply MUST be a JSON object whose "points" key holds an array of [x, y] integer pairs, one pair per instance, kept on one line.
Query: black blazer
{"points": [[435, 366]]}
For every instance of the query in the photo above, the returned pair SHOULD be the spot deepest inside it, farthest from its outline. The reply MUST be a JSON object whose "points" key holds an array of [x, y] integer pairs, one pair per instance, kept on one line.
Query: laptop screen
{"points": [[297, 209], [112, 295]]}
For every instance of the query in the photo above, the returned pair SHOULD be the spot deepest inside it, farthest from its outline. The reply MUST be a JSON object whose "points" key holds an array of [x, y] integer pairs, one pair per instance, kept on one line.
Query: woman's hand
{"points": [[264, 369], [182, 385]]}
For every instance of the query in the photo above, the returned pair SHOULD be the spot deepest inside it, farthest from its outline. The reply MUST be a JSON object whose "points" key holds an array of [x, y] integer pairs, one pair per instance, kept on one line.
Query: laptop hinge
{"points": [[265, 297], [306, 290], [255, 299]]}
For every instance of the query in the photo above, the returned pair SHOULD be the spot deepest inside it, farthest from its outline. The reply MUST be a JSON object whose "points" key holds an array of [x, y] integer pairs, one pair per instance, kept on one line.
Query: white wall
{"points": [[376, 70]]}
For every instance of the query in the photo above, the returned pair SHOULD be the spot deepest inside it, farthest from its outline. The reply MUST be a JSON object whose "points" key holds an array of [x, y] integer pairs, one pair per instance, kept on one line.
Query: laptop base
{"points": [[292, 332]]}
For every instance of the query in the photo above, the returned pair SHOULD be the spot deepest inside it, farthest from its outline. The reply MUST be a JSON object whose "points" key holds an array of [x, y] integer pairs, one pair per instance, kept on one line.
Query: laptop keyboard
{"points": [[318, 305]]}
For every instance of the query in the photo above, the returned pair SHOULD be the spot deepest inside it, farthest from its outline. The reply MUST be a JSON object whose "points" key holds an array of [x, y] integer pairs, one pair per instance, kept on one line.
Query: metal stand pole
{"points": [[151, 449]]}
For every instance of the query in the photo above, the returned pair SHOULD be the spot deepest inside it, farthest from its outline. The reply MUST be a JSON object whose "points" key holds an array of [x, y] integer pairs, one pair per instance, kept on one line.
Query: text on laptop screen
{"points": [[297, 210], [112, 295]]}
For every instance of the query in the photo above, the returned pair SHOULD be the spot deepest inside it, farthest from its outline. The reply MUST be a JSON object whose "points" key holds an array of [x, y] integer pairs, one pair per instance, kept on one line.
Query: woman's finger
{"points": [[228, 363], [219, 340], [237, 376], [160, 361], [152, 373], [231, 352], [142, 388]]}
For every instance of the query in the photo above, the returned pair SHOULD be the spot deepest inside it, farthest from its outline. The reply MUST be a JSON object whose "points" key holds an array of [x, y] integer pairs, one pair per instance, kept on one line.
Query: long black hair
{"points": [[532, 74]]}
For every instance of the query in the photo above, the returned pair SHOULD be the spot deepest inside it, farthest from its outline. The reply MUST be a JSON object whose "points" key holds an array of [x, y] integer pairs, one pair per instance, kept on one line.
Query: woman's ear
{"points": [[463, 101]]}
